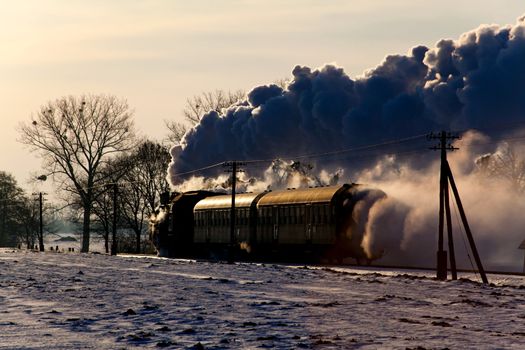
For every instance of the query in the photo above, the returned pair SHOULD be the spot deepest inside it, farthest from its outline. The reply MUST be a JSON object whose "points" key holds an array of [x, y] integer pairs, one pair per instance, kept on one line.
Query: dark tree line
{"points": [[20, 216]]}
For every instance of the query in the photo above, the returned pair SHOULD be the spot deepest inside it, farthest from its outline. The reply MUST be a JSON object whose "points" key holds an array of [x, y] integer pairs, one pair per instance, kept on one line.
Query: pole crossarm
{"points": [[443, 137]]}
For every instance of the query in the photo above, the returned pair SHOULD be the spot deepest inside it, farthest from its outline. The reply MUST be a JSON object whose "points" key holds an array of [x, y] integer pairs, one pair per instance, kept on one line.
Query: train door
{"points": [[308, 223], [275, 216], [207, 224]]}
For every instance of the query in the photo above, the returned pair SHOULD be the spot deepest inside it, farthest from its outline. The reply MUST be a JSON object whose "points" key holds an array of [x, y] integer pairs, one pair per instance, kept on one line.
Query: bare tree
{"points": [[176, 131], [506, 163], [199, 105], [76, 136], [217, 100], [145, 180], [141, 177], [103, 210]]}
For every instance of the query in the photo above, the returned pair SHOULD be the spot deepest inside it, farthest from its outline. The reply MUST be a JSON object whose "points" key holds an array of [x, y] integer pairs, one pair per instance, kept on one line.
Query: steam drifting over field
{"points": [[474, 82]]}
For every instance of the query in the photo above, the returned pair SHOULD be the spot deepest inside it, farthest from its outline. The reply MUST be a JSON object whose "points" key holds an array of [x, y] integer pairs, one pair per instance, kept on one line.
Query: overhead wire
{"points": [[311, 155], [375, 146]]}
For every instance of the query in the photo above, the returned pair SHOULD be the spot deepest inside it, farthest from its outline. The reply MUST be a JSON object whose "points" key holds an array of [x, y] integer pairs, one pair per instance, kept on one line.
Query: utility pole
{"points": [[114, 226], [445, 179], [41, 229], [41, 220], [233, 165], [41, 223]]}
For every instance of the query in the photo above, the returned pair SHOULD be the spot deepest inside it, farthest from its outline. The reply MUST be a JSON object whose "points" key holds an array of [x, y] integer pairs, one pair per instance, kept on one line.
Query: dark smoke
{"points": [[474, 82]]}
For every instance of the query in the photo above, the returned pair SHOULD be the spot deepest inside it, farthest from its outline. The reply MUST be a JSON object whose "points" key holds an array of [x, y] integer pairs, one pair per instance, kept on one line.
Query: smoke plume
{"points": [[474, 82]]}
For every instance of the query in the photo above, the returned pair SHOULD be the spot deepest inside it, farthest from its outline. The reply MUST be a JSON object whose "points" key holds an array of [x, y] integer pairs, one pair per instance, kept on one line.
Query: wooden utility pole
{"points": [[233, 165], [41, 220], [41, 224], [445, 179]]}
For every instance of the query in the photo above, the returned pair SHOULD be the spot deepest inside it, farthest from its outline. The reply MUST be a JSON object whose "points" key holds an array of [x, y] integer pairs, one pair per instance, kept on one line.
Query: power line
{"points": [[310, 155]]}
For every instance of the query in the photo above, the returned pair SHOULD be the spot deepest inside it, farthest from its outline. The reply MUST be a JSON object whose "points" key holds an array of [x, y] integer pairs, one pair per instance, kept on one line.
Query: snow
{"points": [[94, 301]]}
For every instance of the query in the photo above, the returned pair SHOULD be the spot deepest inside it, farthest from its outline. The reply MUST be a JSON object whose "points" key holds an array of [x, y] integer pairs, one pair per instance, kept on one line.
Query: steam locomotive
{"points": [[306, 224]]}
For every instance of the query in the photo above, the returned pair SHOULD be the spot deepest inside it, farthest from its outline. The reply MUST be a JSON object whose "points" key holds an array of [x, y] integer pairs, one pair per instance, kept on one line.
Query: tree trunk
{"points": [[137, 234], [40, 243], [85, 228], [106, 241]]}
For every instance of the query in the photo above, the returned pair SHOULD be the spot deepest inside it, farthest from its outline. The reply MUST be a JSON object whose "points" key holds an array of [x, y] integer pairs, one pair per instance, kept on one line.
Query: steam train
{"points": [[307, 224]]}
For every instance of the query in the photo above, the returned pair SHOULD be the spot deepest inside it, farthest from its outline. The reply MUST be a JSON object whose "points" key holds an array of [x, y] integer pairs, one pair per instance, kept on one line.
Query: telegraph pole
{"points": [[445, 179], [114, 226], [41, 225], [41, 220], [444, 146], [233, 165]]}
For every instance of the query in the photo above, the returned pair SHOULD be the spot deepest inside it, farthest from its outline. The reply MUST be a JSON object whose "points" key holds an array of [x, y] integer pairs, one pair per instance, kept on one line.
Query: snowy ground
{"points": [[87, 301]]}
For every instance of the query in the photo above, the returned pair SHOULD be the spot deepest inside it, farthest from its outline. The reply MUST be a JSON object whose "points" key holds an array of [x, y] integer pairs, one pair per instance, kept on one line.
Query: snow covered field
{"points": [[88, 301]]}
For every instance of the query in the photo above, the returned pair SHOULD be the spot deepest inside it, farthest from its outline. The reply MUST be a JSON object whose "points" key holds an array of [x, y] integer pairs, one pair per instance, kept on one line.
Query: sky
{"points": [[158, 53]]}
